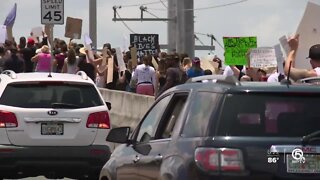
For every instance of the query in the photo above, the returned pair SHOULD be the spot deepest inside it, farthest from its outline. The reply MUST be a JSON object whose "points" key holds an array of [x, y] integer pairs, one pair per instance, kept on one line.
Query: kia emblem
{"points": [[52, 112]]}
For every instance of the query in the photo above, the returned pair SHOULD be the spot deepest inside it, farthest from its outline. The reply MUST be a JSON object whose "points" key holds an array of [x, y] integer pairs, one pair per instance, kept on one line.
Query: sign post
{"points": [[52, 12]]}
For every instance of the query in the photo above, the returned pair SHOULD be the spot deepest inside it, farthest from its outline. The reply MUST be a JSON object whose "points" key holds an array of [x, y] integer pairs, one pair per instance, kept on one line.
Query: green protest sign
{"points": [[236, 49]]}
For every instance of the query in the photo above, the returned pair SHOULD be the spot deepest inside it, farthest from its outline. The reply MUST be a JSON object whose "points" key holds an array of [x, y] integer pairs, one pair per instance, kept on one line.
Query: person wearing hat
{"points": [[314, 56], [195, 70]]}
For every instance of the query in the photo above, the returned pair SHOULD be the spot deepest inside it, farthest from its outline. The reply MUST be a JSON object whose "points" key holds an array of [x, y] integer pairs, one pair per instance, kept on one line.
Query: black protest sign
{"points": [[145, 43]]}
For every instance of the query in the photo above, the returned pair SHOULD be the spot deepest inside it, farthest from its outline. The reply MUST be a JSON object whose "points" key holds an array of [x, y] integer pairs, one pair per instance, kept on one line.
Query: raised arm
{"points": [[295, 73]]}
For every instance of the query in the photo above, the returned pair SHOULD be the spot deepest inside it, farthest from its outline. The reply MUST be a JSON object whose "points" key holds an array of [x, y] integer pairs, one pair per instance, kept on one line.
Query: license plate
{"points": [[310, 165], [51, 129]]}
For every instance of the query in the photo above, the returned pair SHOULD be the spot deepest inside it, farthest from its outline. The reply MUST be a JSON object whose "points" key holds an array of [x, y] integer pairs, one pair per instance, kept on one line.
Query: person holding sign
{"points": [[314, 56], [146, 77]]}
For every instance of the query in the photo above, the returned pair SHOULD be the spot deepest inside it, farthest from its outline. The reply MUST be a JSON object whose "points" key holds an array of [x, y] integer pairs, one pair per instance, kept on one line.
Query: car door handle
{"points": [[137, 159], [158, 158]]}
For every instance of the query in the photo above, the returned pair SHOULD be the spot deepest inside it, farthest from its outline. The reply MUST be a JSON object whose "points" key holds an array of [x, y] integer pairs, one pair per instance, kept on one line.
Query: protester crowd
{"points": [[33, 55]]}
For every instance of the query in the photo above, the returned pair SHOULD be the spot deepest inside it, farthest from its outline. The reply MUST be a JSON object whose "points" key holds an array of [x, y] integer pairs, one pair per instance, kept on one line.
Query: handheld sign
{"points": [[285, 45], [236, 49], [121, 64], [110, 70], [309, 31], [104, 56], [154, 63], [3, 34], [52, 12], [280, 59], [87, 39], [145, 43], [87, 44], [73, 28], [9, 33], [134, 56], [37, 31], [263, 57]]}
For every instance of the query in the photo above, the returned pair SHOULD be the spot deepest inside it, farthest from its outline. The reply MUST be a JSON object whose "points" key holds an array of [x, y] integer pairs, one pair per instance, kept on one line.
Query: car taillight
{"points": [[99, 120], [231, 160], [219, 159], [207, 158], [8, 120]]}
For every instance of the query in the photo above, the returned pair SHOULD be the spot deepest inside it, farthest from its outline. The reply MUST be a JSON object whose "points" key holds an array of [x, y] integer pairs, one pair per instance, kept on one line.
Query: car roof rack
{"points": [[10, 73], [231, 80], [313, 80], [82, 74]]}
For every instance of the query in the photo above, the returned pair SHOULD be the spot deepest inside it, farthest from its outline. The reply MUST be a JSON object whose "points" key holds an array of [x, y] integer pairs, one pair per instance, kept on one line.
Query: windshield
{"points": [[274, 115], [51, 95]]}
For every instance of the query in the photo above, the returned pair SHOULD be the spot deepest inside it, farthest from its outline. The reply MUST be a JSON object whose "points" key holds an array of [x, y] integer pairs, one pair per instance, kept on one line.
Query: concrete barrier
{"points": [[127, 108]]}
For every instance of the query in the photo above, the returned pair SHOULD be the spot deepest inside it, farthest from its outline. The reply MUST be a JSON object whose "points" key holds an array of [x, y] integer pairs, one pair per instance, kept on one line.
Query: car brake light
{"points": [[219, 159], [99, 120], [231, 160], [8, 120], [207, 159]]}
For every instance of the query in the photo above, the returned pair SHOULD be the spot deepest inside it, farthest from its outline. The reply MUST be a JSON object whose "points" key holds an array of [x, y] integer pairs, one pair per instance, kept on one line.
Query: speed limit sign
{"points": [[52, 11]]}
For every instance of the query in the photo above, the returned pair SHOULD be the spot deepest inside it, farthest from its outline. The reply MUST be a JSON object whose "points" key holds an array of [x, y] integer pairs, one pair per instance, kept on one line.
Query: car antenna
{"points": [[287, 81]]}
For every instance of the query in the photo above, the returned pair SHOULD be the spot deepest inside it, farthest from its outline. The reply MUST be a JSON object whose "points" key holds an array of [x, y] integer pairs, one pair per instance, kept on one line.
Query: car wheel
{"points": [[104, 178], [166, 177], [89, 178]]}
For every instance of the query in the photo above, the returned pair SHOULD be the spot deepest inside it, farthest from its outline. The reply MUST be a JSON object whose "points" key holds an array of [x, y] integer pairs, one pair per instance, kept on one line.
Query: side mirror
{"points": [[108, 105], [119, 135], [143, 149]]}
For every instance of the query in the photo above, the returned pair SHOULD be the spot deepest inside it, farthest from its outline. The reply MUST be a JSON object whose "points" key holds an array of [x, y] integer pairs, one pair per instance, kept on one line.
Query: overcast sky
{"points": [[266, 19]]}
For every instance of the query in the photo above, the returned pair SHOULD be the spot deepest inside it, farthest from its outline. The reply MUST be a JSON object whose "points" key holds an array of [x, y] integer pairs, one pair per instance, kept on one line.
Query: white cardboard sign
{"points": [[87, 40], [280, 58], [37, 31], [309, 31], [110, 70], [285, 45], [263, 57], [3, 34], [121, 64]]}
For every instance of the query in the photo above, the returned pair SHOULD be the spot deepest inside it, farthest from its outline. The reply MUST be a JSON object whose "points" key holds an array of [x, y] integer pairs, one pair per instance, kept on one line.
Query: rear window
{"points": [[276, 115], [50, 95]]}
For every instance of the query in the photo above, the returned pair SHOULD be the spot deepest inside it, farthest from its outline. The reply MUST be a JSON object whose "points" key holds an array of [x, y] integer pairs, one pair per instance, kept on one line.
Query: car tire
{"points": [[166, 177], [89, 178], [104, 178]]}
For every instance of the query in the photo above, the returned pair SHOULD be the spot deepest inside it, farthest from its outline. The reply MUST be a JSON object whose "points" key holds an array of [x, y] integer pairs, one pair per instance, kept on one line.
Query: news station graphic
{"points": [[145, 43], [298, 159], [273, 157], [304, 160], [297, 155]]}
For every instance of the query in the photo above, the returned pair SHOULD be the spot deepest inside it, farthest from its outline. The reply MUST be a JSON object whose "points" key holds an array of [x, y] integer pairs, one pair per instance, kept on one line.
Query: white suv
{"points": [[53, 125]]}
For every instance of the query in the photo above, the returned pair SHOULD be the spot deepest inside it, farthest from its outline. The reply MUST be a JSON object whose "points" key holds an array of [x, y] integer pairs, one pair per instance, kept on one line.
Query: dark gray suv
{"points": [[215, 127]]}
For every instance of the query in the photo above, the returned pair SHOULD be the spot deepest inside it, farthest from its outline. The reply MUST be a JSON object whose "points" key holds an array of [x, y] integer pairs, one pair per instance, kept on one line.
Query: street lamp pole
{"points": [[93, 22]]}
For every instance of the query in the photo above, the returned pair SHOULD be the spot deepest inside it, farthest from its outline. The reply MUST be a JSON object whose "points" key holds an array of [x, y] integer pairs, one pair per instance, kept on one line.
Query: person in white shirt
{"points": [[314, 57], [146, 77], [230, 71]]}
